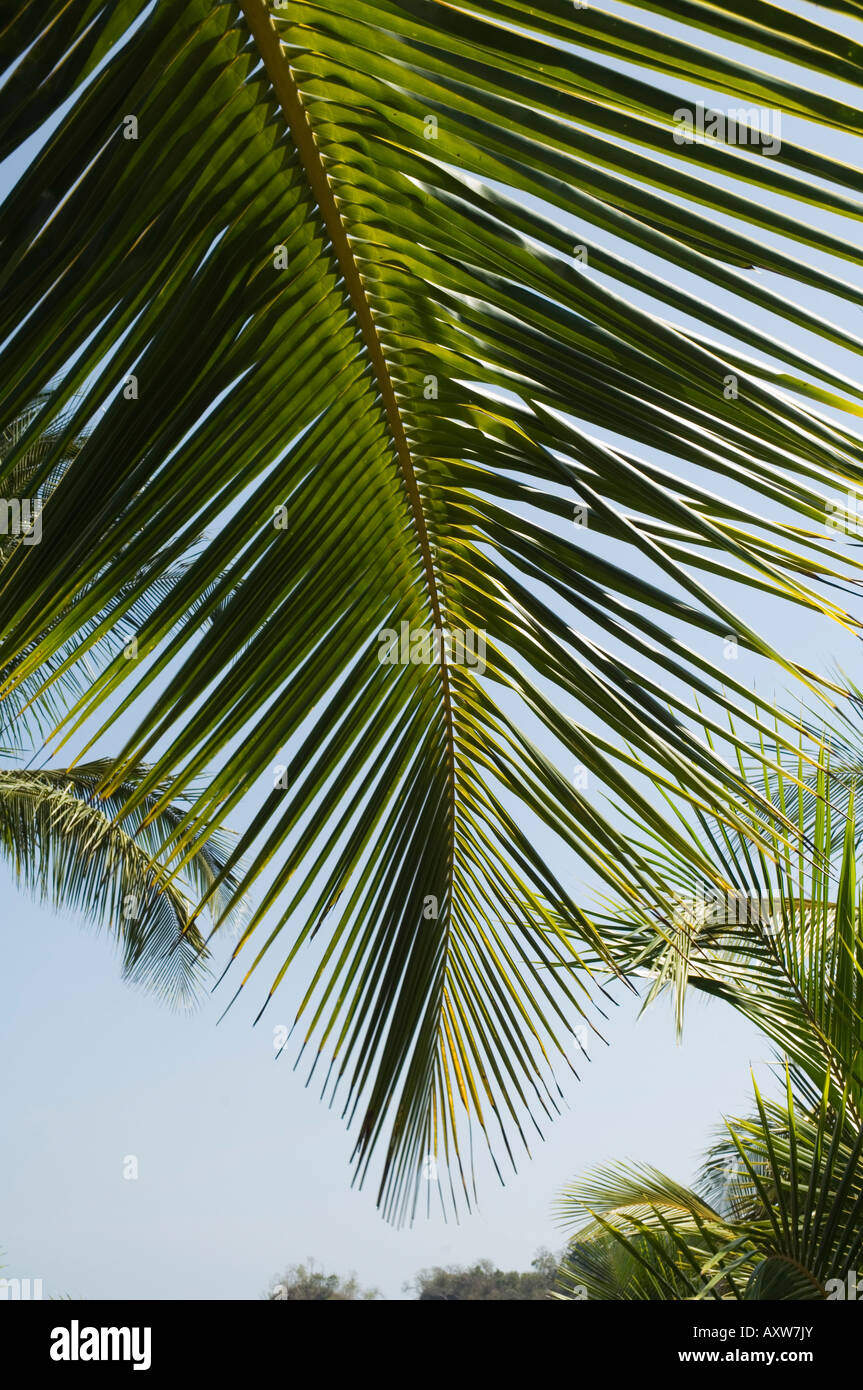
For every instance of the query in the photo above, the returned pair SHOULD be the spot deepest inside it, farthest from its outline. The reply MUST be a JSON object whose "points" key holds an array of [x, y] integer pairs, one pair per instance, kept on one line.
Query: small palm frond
{"points": [[782, 941], [776, 1214], [648, 1237], [65, 846]]}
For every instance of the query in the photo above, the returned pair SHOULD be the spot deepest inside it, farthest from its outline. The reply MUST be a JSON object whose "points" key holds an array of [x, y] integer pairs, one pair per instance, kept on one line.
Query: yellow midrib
{"points": [[265, 35]]}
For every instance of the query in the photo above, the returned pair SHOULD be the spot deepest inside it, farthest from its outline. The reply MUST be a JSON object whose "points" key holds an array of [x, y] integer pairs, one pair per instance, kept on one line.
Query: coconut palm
{"points": [[777, 1212], [775, 1216], [59, 833], [775, 932], [347, 286]]}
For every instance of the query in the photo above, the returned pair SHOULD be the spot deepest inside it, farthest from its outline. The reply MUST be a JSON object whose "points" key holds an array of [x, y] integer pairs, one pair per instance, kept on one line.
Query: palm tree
{"points": [[777, 1212], [59, 833], [783, 1226], [344, 285], [775, 1216]]}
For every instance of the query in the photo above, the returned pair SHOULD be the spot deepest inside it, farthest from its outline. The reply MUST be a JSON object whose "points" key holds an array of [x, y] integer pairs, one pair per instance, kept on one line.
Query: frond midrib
{"points": [[266, 39]]}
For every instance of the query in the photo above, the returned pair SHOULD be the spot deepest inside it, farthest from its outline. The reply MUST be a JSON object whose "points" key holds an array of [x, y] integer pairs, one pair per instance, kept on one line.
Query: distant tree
{"points": [[304, 1282], [483, 1282]]}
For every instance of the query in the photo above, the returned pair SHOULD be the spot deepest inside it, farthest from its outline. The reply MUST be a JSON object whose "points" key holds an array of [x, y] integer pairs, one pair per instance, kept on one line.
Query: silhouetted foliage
{"points": [[483, 1281], [304, 1282]]}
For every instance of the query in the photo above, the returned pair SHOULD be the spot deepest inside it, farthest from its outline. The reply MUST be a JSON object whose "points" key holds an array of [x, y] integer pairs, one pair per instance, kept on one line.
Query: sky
{"points": [[240, 1170]]}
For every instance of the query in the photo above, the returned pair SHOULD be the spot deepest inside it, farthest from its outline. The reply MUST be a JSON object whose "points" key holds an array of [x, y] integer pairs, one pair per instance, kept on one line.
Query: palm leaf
{"points": [[65, 846], [784, 946], [648, 1237], [640, 1235], [325, 311]]}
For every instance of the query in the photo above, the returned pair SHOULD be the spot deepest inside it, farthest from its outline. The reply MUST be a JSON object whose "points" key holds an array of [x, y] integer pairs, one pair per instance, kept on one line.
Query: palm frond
{"points": [[783, 945], [64, 844], [791, 1226], [357, 265]]}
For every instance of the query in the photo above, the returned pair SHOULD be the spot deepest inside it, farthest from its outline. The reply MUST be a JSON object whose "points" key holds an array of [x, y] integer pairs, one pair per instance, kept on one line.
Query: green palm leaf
{"points": [[640, 1235], [647, 1237], [784, 944], [65, 846], [267, 288]]}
